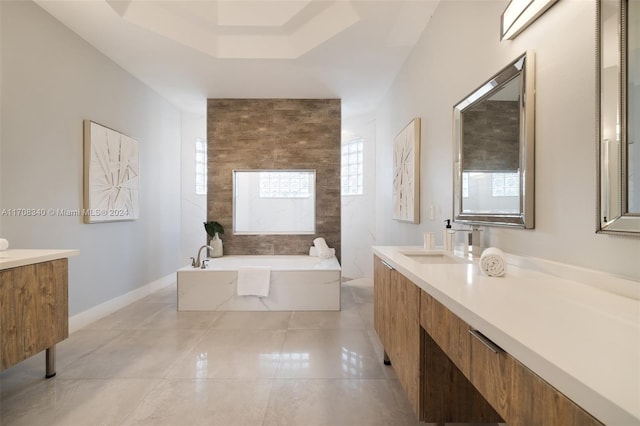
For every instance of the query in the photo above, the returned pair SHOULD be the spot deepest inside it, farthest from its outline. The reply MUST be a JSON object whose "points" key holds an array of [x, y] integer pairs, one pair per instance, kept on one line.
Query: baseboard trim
{"points": [[85, 318]]}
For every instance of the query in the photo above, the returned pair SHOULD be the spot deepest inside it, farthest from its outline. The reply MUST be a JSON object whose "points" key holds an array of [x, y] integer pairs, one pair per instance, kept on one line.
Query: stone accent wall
{"points": [[491, 136], [274, 134]]}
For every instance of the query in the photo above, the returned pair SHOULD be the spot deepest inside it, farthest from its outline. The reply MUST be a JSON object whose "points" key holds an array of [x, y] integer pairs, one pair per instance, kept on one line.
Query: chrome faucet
{"points": [[473, 239], [476, 241], [196, 262]]}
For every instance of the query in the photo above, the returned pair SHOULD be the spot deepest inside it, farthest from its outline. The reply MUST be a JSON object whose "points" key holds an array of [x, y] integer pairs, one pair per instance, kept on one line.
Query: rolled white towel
{"points": [[4, 244], [322, 249], [313, 251], [492, 262]]}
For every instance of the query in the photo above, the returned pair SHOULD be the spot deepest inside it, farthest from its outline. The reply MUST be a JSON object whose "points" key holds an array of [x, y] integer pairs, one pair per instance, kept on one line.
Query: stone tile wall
{"points": [[492, 136], [274, 134]]}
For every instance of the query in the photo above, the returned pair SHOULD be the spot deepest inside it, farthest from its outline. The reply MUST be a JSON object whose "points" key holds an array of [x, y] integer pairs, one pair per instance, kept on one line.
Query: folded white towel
{"points": [[313, 251], [492, 262], [254, 281], [322, 248]]}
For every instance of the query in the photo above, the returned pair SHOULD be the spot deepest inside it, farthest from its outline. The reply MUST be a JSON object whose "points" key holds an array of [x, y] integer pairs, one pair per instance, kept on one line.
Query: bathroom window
{"points": [[352, 167], [201, 166], [285, 185], [505, 184]]}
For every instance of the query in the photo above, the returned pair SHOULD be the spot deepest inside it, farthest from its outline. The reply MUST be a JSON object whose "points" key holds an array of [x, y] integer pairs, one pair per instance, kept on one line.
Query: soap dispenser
{"points": [[447, 236]]}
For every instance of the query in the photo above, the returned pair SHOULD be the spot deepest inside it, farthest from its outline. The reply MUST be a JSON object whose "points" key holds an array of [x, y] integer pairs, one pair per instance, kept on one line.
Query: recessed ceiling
{"points": [[189, 51]]}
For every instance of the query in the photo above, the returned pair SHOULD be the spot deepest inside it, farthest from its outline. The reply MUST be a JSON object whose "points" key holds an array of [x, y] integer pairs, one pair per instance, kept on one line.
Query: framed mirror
{"points": [[618, 109], [274, 202], [494, 149]]}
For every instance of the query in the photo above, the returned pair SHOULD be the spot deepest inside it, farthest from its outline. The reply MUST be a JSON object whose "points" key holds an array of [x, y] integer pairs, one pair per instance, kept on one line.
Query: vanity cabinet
{"points": [[516, 394], [396, 320], [34, 313], [453, 373]]}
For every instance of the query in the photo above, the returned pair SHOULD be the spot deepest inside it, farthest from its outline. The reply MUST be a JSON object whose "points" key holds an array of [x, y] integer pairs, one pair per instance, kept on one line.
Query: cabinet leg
{"points": [[386, 359], [51, 361]]}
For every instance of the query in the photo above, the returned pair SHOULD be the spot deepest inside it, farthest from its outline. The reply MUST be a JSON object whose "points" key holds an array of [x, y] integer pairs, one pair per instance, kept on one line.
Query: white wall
{"points": [[358, 211], [458, 51], [193, 207], [51, 81]]}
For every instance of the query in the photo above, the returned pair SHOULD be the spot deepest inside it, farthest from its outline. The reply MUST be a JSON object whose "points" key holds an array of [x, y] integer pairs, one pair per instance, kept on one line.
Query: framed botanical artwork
{"points": [[406, 173], [111, 175]]}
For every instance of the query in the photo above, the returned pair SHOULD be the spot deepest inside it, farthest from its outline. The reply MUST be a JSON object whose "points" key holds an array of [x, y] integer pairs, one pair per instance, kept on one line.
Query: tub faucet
{"points": [[196, 262]]}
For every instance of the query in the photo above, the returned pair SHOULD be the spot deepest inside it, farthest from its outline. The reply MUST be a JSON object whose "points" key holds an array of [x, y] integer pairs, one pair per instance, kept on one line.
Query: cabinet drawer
{"points": [[519, 395], [447, 330]]}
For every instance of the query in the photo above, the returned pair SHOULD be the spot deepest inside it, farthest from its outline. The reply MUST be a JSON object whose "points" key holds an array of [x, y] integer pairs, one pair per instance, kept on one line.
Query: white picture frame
{"points": [[111, 175], [406, 173]]}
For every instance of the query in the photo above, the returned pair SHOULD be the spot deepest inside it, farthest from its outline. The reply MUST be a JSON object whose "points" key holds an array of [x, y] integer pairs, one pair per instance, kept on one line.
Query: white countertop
{"points": [[21, 257], [583, 340]]}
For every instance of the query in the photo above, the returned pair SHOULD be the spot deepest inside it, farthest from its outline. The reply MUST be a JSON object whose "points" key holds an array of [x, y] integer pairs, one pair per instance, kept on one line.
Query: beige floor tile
{"points": [[75, 402], [204, 402], [253, 321], [333, 403], [325, 354], [321, 319], [232, 354], [128, 317], [135, 354], [168, 317]]}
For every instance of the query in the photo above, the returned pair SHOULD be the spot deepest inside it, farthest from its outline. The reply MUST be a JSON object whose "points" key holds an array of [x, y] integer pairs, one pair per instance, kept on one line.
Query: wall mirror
{"points": [[618, 81], [494, 149], [274, 202]]}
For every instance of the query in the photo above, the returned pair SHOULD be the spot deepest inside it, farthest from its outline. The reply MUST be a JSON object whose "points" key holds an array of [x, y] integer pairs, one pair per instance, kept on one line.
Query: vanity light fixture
{"points": [[519, 14]]}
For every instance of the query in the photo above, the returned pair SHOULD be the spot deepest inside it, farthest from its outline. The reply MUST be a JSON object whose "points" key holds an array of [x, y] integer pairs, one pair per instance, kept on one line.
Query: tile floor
{"points": [[148, 364]]}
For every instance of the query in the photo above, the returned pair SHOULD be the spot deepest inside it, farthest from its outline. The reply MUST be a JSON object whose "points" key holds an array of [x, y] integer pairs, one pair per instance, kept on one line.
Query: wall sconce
{"points": [[519, 14]]}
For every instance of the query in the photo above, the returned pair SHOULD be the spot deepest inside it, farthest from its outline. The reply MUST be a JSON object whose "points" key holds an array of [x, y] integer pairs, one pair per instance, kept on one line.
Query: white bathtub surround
{"points": [[492, 262], [254, 281], [298, 283], [313, 251], [322, 249]]}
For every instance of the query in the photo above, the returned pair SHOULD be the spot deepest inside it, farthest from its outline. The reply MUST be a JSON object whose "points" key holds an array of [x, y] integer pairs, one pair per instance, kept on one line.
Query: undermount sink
{"points": [[433, 257]]}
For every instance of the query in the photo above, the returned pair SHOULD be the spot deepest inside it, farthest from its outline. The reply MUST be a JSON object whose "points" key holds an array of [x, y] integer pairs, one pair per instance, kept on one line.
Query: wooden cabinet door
{"points": [[447, 330], [447, 393], [34, 312], [518, 394], [381, 288], [403, 345]]}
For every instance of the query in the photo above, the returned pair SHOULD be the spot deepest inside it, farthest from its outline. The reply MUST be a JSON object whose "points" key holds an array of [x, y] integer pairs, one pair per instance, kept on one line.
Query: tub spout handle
{"points": [[196, 263]]}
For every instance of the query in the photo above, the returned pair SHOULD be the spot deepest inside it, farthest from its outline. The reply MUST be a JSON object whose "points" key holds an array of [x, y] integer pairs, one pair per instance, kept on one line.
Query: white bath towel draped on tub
{"points": [[254, 281]]}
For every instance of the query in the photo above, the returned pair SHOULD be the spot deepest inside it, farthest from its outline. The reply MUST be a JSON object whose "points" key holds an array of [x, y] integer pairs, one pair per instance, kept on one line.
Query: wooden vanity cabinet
{"points": [[396, 320], [34, 313], [453, 373], [520, 395], [447, 393], [512, 391]]}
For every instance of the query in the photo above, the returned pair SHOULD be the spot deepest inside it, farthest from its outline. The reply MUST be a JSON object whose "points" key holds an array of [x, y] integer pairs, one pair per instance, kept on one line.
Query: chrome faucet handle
{"points": [[193, 262], [204, 264]]}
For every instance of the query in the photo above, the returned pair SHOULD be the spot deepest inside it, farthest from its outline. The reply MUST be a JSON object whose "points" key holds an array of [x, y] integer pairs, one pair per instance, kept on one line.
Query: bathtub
{"points": [[298, 283]]}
